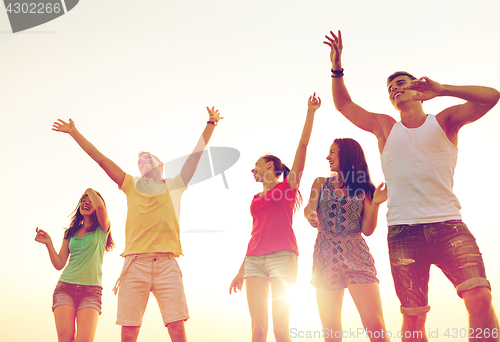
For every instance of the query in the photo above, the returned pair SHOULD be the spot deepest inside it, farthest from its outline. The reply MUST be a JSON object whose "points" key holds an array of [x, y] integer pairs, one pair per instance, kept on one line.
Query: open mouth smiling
{"points": [[396, 94]]}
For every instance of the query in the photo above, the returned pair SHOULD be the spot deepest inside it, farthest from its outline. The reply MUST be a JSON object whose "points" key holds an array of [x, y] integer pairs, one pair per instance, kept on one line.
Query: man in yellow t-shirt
{"points": [[151, 234]]}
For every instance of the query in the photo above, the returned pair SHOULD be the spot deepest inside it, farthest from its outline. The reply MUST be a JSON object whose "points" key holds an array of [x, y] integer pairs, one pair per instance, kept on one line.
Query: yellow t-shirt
{"points": [[152, 215]]}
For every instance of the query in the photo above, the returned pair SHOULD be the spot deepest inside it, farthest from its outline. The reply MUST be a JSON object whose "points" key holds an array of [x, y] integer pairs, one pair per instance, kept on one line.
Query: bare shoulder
{"points": [[386, 122], [319, 182], [443, 117], [449, 127]]}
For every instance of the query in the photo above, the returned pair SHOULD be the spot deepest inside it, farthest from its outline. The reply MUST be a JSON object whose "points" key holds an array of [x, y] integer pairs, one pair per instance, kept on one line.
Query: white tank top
{"points": [[418, 165]]}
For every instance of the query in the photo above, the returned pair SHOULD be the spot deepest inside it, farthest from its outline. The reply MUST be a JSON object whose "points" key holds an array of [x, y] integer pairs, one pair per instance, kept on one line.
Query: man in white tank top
{"points": [[418, 156]]}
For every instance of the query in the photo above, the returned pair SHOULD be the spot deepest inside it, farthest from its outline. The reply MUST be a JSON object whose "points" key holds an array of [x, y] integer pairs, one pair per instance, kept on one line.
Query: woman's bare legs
{"points": [[367, 300], [257, 297], [281, 308], [330, 308], [64, 316], [86, 324]]}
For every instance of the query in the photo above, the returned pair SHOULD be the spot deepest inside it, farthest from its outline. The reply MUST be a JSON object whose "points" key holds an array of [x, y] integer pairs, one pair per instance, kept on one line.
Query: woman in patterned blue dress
{"points": [[342, 207]]}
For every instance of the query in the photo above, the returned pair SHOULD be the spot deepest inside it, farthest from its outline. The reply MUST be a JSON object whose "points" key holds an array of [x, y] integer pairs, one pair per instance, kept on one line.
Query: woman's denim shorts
{"points": [[77, 296], [281, 264]]}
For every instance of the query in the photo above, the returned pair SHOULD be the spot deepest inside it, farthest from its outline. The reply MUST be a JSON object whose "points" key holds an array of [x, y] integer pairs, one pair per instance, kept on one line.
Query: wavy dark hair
{"points": [[77, 222], [282, 169], [353, 168]]}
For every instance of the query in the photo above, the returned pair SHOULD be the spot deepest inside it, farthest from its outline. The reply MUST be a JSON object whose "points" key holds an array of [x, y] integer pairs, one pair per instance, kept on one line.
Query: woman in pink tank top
{"points": [[271, 258]]}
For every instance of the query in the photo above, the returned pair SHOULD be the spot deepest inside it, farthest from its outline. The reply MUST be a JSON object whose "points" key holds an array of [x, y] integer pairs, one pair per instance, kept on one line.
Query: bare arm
{"points": [[237, 283], [311, 210], [111, 169], [300, 155], [479, 101], [368, 121], [58, 259], [370, 212], [189, 167], [100, 208]]}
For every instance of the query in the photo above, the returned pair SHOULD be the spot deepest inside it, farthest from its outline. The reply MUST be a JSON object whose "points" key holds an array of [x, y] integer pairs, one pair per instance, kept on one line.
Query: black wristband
{"points": [[337, 73], [211, 123]]}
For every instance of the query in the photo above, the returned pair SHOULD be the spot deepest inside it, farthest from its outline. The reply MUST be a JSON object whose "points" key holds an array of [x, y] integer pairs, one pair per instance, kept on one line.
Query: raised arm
{"points": [[300, 155], [370, 211], [368, 121], [311, 210], [191, 163], [479, 101], [58, 259], [100, 209], [111, 169]]}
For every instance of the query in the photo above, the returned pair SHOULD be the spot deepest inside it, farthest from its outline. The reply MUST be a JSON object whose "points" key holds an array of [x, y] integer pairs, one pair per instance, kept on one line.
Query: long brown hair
{"points": [[77, 222], [353, 168]]}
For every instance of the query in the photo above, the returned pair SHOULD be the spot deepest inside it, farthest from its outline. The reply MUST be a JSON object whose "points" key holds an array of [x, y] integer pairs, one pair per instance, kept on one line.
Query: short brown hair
{"points": [[400, 73]]}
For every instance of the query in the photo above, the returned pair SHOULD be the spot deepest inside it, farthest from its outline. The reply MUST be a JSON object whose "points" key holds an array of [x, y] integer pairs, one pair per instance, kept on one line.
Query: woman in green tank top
{"points": [[77, 296]]}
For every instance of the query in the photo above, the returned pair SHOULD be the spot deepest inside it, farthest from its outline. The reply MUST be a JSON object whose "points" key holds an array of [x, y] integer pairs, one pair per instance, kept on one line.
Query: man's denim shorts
{"points": [[77, 296], [449, 245]]}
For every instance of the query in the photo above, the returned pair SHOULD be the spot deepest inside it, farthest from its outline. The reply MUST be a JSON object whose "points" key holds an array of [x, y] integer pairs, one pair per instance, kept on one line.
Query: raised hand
{"points": [[64, 127], [335, 44], [42, 237], [314, 102], [237, 283], [380, 194], [426, 88], [214, 115]]}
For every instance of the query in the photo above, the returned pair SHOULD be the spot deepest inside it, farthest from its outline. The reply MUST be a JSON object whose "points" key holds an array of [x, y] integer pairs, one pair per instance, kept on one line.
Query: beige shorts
{"points": [[280, 264], [145, 273]]}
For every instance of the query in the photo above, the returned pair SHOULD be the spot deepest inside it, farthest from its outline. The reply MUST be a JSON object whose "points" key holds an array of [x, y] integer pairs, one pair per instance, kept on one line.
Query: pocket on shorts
{"points": [[60, 287], [395, 231], [94, 290], [178, 268], [456, 225]]}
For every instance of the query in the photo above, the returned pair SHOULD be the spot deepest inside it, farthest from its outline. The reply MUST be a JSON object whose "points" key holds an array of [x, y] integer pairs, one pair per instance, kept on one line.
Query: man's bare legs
{"points": [[483, 322], [413, 328], [130, 334], [176, 331], [482, 317]]}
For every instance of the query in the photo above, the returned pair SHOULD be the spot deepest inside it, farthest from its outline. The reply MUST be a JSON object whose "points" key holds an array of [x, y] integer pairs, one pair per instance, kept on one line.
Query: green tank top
{"points": [[85, 261]]}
